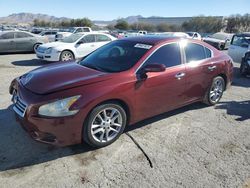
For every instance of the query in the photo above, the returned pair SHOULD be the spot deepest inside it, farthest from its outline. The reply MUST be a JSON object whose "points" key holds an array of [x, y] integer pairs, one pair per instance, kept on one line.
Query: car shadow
{"points": [[240, 109], [32, 62], [18, 150], [239, 80]]}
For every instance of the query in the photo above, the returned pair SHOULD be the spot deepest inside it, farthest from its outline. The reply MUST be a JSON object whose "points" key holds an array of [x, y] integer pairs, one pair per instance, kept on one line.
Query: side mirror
{"points": [[244, 45], [154, 68], [142, 74], [79, 42]]}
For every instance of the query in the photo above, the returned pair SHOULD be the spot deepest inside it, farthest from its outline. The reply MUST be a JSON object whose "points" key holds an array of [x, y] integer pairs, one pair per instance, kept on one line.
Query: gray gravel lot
{"points": [[195, 146]]}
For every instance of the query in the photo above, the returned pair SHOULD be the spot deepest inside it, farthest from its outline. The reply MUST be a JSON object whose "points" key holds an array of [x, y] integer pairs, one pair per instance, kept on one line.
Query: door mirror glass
{"points": [[154, 68], [80, 42]]}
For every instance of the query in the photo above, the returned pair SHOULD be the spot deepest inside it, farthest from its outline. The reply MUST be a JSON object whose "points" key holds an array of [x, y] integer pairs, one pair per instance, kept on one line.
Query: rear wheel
{"points": [[215, 92], [104, 125], [66, 56]]}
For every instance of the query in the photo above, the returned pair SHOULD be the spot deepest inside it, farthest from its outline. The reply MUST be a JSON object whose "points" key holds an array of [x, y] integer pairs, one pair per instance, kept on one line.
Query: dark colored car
{"points": [[245, 65], [117, 85], [19, 41]]}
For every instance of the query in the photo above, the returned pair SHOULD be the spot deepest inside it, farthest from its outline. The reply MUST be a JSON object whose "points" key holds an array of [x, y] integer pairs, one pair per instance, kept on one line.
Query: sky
{"points": [[113, 9]]}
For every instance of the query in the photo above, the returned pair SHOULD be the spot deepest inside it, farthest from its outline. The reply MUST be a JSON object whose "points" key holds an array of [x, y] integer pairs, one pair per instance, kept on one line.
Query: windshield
{"points": [[116, 56], [72, 38], [220, 36]]}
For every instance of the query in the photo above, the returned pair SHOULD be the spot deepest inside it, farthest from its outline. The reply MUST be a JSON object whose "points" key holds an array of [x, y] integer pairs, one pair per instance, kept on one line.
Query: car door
{"points": [[7, 43], [86, 45], [24, 41], [237, 49], [161, 91], [200, 70]]}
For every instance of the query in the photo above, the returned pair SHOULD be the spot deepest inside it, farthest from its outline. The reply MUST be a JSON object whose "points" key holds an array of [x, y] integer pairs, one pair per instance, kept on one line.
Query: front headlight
{"points": [[59, 108], [48, 51]]}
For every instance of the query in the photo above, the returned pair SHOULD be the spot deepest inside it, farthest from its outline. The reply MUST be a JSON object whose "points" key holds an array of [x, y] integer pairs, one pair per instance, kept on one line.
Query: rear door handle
{"points": [[180, 75], [212, 68]]}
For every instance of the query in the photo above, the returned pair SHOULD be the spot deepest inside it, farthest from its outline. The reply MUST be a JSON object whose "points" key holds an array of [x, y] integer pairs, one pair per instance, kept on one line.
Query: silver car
{"points": [[240, 45], [20, 41]]}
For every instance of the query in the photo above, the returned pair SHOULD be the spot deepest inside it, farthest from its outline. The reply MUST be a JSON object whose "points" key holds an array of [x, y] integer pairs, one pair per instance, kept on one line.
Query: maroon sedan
{"points": [[123, 82]]}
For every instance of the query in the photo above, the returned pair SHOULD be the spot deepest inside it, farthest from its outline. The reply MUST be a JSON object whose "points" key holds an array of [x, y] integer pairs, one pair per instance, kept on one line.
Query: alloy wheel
{"points": [[216, 91], [106, 125], [66, 56]]}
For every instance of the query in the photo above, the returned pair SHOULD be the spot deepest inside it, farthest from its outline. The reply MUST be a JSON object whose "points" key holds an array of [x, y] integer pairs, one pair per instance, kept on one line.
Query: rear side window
{"points": [[195, 52], [22, 35], [208, 52], [7, 36], [89, 38], [102, 38], [169, 55]]}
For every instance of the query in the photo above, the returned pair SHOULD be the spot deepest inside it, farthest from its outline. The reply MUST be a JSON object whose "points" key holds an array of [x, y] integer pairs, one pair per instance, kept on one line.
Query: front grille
{"points": [[19, 107]]}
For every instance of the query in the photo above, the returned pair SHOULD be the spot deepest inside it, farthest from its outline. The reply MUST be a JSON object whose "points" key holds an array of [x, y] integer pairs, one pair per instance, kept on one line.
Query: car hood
{"points": [[60, 76]]}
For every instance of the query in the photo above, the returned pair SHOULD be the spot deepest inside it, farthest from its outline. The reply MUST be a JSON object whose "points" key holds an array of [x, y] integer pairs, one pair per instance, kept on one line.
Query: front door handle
{"points": [[212, 68], [180, 75]]}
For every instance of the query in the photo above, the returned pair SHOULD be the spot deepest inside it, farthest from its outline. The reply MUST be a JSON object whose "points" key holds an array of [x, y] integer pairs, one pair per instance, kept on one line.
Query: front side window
{"points": [[169, 55], [195, 52], [116, 56], [89, 38], [7, 36]]}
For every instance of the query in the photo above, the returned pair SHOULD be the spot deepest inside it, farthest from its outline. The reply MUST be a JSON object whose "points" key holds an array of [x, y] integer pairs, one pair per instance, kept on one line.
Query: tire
{"points": [[67, 56], [99, 131], [215, 91], [36, 46], [242, 69]]}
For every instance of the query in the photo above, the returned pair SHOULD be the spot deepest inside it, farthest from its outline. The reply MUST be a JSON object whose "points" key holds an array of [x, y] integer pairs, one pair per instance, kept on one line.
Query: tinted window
{"points": [[89, 38], [7, 36], [208, 52], [116, 56], [78, 30], [194, 52], [102, 38], [168, 55], [22, 35], [239, 40]]}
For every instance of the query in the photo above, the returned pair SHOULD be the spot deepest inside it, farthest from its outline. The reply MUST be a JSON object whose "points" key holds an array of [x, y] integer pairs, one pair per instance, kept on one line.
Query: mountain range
{"points": [[27, 18]]}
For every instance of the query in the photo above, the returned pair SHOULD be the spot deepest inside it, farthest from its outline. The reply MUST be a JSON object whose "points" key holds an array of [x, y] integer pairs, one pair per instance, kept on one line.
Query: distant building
{"points": [[168, 20]]}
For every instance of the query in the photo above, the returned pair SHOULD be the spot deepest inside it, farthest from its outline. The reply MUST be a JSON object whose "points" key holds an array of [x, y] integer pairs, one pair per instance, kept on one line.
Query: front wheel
{"points": [[215, 92], [36, 46], [66, 56], [242, 68], [104, 125]]}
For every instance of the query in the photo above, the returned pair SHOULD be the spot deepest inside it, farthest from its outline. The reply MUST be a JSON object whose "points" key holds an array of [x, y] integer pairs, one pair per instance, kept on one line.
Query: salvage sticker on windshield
{"points": [[144, 46]]}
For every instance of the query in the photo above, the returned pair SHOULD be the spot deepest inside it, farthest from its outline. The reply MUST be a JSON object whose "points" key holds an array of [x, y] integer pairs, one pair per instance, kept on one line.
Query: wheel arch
{"points": [[68, 51], [224, 76]]}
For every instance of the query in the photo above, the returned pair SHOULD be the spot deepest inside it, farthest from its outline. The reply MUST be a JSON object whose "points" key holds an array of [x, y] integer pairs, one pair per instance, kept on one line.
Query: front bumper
{"points": [[48, 57], [61, 131]]}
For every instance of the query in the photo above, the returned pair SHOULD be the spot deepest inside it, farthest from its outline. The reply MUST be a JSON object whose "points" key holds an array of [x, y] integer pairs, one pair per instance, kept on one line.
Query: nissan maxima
{"points": [[125, 81]]}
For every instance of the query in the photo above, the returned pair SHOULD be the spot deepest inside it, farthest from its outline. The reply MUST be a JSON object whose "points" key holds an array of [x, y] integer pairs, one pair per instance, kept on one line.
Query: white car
{"points": [[194, 35], [50, 35], [239, 46], [73, 47], [67, 32]]}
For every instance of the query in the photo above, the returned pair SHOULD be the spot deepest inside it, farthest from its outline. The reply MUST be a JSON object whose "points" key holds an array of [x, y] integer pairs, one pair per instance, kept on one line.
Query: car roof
{"points": [[149, 39], [243, 34]]}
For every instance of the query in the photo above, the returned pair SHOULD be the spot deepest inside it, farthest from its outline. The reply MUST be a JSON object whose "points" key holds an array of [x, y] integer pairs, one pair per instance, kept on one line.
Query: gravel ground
{"points": [[195, 146]]}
